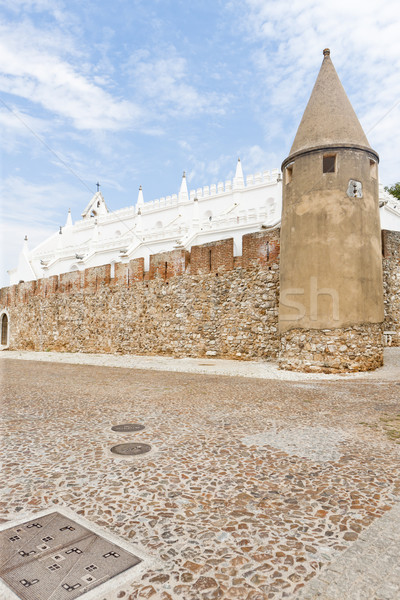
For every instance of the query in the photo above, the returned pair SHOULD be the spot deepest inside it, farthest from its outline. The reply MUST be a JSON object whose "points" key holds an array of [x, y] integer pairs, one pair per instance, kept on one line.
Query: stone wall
{"points": [[391, 284], [203, 303], [222, 309], [356, 348]]}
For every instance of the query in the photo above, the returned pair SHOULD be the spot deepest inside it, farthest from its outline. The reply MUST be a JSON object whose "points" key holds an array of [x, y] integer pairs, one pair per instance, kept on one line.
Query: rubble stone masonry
{"points": [[391, 283], [347, 349], [203, 303], [198, 304]]}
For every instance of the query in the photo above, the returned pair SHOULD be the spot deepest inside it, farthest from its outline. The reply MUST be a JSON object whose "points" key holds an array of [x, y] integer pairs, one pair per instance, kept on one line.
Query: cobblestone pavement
{"points": [[254, 487], [369, 570]]}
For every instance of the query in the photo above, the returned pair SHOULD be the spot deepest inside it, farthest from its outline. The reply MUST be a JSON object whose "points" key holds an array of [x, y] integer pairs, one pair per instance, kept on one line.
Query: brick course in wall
{"points": [[168, 264], [214, 257], [260, 248], [203, 303]]}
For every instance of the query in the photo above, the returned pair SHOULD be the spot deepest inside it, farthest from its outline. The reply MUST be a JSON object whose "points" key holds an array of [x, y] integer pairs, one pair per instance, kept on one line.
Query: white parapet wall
{"points": [[213, 212]]}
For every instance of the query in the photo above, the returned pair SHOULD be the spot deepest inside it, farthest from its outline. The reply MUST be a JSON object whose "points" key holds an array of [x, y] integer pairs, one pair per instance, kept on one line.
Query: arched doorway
{"points": [[4, 330]]}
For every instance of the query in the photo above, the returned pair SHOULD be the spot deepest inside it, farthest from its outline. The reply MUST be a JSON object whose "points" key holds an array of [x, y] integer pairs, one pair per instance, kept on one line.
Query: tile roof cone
{"points": [[238, 180], [183, 192], [329, 118], [331, 292]]}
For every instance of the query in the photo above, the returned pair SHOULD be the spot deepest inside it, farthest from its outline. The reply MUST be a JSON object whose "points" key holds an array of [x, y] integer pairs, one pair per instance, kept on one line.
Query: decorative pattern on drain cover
{"points": [[131, 449], [128, 427], [62, 568]]}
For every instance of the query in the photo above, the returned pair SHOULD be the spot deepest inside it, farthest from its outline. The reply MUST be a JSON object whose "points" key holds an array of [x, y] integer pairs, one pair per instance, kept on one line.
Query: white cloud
{"points": [[34, 66], [16, 125], [255, 158], [36, 204], [365, 48], [34, 210], [50, 6], [165, 83]]}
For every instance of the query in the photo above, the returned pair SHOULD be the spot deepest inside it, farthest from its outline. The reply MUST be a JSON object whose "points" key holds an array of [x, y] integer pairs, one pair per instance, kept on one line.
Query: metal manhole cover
{"points": [[130, 449], [54, 557], [128, 427]]}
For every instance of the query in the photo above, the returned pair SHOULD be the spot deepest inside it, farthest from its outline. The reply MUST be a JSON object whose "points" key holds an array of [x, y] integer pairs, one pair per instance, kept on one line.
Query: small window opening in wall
{"points": [[165, 270], [289, 173], [267, 250], [4, 330], [373, 169], [329, 163], [210, 260]]}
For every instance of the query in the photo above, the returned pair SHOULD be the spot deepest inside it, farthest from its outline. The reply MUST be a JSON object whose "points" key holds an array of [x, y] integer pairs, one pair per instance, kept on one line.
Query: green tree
{"points": [[394, 190]]}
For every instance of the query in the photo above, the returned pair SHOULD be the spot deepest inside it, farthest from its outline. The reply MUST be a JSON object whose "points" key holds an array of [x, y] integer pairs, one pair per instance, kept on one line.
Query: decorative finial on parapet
{"points": [[195, 199], [326, 52], [26, 238], [183, 191], [238, 180], [98, 186], [140, 200], [60, 232], [69, 219]]}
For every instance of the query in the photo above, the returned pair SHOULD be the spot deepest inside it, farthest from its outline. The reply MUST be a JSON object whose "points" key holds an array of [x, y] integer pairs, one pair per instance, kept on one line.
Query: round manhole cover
{"points": [[128, 427], [130, 449]]}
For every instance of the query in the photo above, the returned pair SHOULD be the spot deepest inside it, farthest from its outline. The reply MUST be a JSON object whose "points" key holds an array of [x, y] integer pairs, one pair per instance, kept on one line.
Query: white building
{"points": [[211, 213]]}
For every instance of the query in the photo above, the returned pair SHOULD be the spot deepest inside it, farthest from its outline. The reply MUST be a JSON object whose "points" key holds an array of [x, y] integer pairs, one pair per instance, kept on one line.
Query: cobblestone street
{"points": [[254, 489]]}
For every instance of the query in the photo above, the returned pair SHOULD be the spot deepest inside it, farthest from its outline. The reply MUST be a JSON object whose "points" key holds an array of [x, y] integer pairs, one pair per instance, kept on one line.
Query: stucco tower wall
{"points": [[331, 260], [331, 290]]}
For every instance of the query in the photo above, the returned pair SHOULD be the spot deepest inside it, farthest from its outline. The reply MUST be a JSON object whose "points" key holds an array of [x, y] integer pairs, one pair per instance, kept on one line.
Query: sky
{"points": [[134, 92]]}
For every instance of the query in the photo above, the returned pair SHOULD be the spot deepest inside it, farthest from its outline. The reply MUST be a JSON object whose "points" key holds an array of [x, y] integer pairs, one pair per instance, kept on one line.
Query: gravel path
{"points": [[262, 370]]}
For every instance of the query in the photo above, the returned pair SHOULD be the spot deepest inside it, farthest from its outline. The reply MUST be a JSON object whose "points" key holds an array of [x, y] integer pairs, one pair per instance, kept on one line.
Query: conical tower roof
{"points": [[329, 119]]}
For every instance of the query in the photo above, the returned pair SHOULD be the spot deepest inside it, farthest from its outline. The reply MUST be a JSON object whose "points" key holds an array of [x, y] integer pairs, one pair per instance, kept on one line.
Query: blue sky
{"points": [[133, 92]]}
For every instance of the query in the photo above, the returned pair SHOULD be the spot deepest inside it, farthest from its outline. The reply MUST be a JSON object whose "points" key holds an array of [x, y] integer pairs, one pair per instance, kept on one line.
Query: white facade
{"points": [[389, 210], [211, 213]]}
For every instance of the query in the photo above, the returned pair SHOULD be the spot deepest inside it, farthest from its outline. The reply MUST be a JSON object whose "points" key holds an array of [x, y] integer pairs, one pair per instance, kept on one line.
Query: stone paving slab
{"points": [[253, 486], [259, 369], [369, 570]]}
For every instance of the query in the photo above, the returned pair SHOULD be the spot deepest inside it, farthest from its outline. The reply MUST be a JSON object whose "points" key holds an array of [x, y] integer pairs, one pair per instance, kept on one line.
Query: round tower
{"points": [[331, 293]]}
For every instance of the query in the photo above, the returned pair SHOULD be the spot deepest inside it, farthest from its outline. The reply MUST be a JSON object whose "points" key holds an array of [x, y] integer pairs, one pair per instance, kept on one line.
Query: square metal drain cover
{"points": [[55, 557]]}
